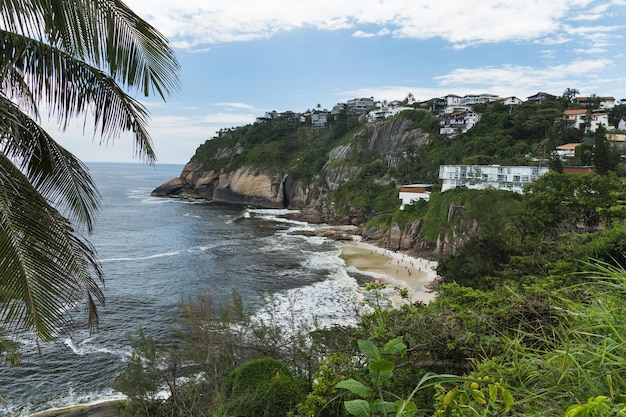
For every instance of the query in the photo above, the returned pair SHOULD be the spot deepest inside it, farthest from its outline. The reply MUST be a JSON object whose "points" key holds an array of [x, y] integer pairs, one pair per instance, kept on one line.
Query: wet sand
{"points": [[396, 269]]}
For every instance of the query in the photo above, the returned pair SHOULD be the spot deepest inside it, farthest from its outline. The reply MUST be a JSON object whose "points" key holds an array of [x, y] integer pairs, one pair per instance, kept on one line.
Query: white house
{"points": [[509, 101], [567, 150], [460, 121], [319, 120], [385, 113], [480, 177], [622, 123], [597, 120], [453, 100], [472, 99], [582, 119], [604, 103], [411, 193]]}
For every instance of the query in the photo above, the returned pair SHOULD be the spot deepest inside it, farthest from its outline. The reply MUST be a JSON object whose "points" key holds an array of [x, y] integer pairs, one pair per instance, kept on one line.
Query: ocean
{"points": [[156, 252]]}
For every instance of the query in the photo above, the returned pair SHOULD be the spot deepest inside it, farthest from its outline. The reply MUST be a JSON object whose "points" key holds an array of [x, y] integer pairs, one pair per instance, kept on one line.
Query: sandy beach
{"points": [[394, 268]]}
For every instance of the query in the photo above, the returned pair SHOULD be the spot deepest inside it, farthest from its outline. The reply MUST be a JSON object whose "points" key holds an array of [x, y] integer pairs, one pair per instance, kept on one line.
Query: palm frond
{"points": [[71, 87], [45, 266], [104, 32], [57, 175], [12, 84]]}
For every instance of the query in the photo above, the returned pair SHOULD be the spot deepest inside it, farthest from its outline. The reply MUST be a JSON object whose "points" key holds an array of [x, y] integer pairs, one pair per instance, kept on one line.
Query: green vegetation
{"points": [[300, 151], [529, 320]]}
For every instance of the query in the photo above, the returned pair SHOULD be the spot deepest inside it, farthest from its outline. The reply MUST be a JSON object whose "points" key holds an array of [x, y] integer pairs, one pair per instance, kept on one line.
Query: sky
{"points": [[242, 58]]}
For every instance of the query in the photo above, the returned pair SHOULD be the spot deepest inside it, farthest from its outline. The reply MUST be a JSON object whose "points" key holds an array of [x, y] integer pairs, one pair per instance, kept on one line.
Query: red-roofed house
{"points": [[567, 150], [581, 119], [602, 102], [411, 193]]}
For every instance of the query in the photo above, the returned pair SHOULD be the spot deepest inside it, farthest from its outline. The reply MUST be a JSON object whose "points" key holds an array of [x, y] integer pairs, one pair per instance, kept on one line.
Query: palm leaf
{"points": [[104, 32], [45, 266], [56, 174], [71, 87]]}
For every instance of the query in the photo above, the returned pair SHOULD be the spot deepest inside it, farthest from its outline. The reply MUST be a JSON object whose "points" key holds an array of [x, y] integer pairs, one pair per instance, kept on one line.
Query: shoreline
{"points": [[105, 408], [394, 268]]}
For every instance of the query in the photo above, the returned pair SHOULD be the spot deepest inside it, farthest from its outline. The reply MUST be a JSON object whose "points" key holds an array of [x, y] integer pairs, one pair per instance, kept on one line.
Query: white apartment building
{"points": [[472, 99], [480, 177]]}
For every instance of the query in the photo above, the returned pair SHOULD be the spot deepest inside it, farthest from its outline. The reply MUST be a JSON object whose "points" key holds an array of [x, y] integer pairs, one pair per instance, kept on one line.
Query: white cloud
{"points": [[588, 76], [525, 80], [235, 105], [190, 23], [361, 34]]}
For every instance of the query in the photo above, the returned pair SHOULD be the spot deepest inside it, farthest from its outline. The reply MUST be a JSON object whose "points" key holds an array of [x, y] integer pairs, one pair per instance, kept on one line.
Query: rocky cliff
{"points": [[279, 187]]}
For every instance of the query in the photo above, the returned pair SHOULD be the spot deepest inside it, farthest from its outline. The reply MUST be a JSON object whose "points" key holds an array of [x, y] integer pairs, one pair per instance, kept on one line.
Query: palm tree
{"points": [[73, 58]]}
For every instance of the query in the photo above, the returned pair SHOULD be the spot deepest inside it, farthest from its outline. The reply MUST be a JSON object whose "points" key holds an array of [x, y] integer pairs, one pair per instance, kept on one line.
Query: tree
{"points": [[562, 203], [570, 94], [74, 58], [601, 152]]}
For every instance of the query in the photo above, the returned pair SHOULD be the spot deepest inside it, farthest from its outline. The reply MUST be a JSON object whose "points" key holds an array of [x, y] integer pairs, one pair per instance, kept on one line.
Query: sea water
{"points": [[156, 252]]}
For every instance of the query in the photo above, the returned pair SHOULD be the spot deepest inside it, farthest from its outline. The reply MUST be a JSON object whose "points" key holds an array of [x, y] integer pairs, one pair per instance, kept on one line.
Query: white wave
{"points": [[276, 215], [153, 200], [195, 216], [244, 215], [368, 273], [68, 401], [142, 258], [87, 348], [330, 260], [323, 304]]}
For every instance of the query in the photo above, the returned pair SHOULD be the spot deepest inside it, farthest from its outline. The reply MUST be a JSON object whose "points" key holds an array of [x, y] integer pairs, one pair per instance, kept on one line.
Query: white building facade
{"points": [[480, 177], [409, 194]]}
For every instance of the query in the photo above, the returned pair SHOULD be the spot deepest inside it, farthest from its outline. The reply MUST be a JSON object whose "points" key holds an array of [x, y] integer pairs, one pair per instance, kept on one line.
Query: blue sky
{"points": [[241, 58]]}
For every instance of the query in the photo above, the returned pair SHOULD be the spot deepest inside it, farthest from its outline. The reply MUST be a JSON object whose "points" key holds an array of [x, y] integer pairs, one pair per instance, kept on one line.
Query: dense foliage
{"points": [[529, 319]]}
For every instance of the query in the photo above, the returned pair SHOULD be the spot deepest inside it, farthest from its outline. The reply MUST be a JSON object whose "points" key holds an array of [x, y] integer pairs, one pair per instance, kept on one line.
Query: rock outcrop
{"points": [[258, 187], [275, 188], [397, 239]]}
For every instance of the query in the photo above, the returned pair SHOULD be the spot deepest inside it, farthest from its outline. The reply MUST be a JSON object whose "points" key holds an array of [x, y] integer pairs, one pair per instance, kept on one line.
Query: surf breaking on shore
{"points": [[394, 268], [417, 275]]}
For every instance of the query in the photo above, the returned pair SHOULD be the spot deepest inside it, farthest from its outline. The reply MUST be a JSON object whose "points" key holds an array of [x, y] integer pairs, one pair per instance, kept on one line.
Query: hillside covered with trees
{"points": [[529, 319]]}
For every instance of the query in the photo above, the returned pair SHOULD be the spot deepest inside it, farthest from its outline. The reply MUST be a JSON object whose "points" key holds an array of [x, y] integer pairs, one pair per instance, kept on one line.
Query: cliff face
{"points": [[278, 188], [258, 187]]}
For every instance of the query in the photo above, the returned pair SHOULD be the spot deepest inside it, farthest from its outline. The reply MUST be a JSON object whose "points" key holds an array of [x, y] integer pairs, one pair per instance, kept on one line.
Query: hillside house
{"points": [[460, 121], [338, 108], [603, 103], [471, 99], [540, 97], [409, 194], [453, 100], [481, 177], [510, 101], [582, 119], [621, 125], [567, 150], [385, 113], [359, 106], [319, 120]]}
